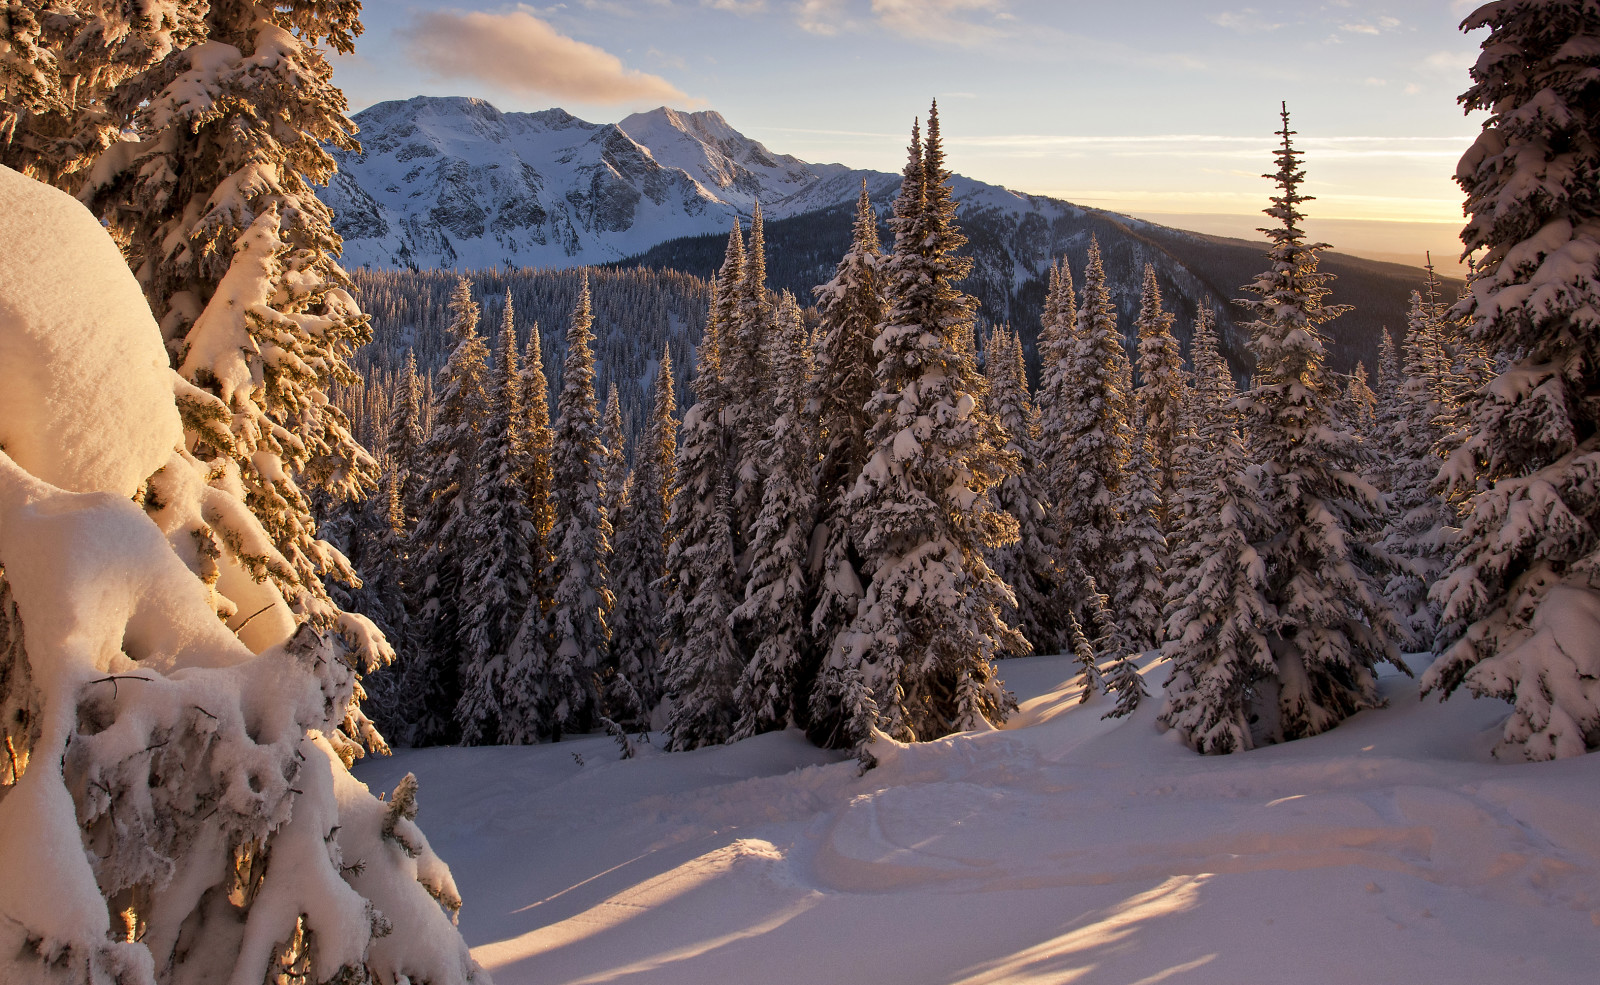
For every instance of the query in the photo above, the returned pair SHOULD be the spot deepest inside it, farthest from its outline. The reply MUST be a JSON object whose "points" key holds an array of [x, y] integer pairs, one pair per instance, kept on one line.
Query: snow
{"points": [[85, 389], [1065, 848]]}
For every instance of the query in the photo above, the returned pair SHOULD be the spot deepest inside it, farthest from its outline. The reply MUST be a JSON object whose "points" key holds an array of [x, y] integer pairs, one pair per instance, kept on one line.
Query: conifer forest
{"points": [[908, 580]]}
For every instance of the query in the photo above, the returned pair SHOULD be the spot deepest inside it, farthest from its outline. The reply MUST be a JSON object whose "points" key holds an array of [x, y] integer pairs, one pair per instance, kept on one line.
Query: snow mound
{"points": [[85, 389]]}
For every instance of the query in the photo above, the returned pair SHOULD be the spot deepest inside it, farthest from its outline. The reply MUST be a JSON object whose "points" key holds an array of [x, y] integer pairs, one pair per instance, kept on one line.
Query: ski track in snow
{"points": [[1065, 848]]}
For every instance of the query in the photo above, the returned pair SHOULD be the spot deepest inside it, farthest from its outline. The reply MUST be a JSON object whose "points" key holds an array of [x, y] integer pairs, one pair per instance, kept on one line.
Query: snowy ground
{"points": [[1063, 849]]}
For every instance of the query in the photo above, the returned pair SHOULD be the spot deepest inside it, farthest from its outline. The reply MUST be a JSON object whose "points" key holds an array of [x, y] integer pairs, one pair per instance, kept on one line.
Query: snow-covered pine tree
{"points": [[1139, 570], [638, 622], [1329, 622], [747, 410], [1217, 613], [928, 627], [1094, 439], [577, 632], [1358, 403], [1388, 415], [1160, 397], [1420, 533], [773, 613], [1088, 664], [214, 202], [851, 306], [1522, 602], [703, 662], [403, 444], [441, 540], [1028, 564], [537, 440], [497, 577], [614, 458], [73, 74]]}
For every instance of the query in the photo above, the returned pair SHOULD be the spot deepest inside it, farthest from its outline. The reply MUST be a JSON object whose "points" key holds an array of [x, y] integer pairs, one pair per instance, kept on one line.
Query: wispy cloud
{"points": [[955, 22], [1218, 146], [1246, 20], [522, 53]]}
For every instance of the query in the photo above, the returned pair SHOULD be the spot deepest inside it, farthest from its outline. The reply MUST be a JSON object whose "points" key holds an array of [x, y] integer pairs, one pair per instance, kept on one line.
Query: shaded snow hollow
{"points": [[1066, 848]]}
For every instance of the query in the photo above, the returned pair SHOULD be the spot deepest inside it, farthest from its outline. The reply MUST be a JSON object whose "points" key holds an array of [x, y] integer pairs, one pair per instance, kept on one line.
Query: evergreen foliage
{"points": [[640, 565], [1521, 604], [1327, 622], [497, 578], [1160, 398], [928, 626], [1093, 437], [441, 541], [1140, 567], [576, 630]]}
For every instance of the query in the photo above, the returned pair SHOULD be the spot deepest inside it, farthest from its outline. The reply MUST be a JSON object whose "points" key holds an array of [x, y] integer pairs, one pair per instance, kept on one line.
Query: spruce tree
{"points": [[1329, 624], [747, 409], [1028, 565], [773, 612], [442, 537], [577, 632], [640, 566], [851, 305], [497, 578], [928, 627], [702, 665], [1139, 570], [614, 460], [1522, 602], [1160, 398], [1359, 404], [1094, 438]]}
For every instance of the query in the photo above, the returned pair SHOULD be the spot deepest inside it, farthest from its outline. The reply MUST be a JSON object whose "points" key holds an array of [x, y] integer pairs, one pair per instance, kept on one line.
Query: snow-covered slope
{"points": [[1064, 849]]}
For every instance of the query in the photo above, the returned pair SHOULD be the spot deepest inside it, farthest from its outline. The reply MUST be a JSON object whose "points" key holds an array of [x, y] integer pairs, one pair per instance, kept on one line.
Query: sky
{"points": [[1159, 108]]}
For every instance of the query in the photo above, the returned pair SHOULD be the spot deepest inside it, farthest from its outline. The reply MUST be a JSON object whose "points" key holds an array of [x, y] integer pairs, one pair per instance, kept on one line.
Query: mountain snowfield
{"points": [[1065, 848], [455, 182]]}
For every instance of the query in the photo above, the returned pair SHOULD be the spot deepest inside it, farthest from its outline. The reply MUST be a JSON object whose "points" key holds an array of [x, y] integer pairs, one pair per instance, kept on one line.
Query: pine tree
{"points": [[576, 631], [73, 74], [1422, 523], [442, 537], [1329, 623], [1359, 402], [1088, 664], [928, 626], [1388, 415], [851, 306], [638, 625], [1522, 601], [214, 202], [747, 408], [614, 460], [1217, 614], [1028, 565], [497, 578], [1139, 570], [1094, 435], [1160, 398], [773, 610]]}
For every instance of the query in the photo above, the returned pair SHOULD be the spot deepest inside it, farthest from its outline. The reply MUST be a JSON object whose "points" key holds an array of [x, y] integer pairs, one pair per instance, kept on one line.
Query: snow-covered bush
{"points": [[175, 801]]}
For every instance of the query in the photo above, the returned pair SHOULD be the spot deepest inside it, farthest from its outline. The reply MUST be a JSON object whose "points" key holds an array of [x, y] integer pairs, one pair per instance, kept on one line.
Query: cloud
{"points": [[939, 20], [736, 6], [1450, 64], [1246, 20], [517, 51], [942, 21], [1358, 28]]}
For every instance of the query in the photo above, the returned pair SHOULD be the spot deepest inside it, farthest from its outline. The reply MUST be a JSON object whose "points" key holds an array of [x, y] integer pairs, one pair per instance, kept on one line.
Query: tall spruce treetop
{"points": [[576, 628], [1330, 624], [404, 440], [929, 625], [748, 402], [1522, 605], [1094, 441], [614, 467], [497, 577], [851, 306], [1161, 396], [537, 439], [640, 554]]}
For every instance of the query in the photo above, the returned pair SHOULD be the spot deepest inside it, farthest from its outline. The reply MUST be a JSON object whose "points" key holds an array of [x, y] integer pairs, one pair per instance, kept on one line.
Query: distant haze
{"points": [[1397, 242]]}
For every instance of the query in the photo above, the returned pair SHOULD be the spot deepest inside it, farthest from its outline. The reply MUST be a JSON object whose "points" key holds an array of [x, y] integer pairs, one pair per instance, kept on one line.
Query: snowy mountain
{"points": [[456, 183]]}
